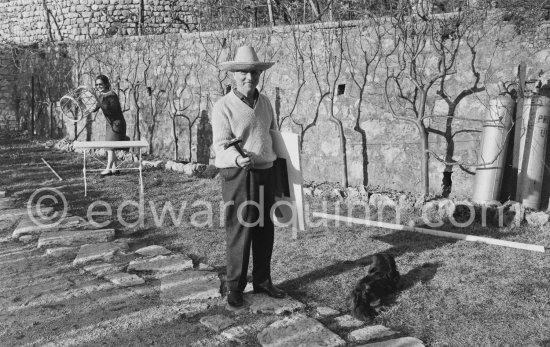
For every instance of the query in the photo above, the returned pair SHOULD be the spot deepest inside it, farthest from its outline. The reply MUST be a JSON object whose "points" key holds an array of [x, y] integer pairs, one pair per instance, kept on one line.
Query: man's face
{"points": [[247, 81]]}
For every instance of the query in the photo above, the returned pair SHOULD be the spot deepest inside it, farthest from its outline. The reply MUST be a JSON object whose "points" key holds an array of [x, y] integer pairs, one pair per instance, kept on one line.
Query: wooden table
{"points": [[114, 145]]}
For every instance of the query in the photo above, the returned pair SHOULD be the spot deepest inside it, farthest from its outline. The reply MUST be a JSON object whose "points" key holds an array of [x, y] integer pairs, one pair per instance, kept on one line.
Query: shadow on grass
{"points": [[423, 273]]}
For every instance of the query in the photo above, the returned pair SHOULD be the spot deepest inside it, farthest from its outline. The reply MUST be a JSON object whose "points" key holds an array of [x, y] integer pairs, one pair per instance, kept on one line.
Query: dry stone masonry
{"points": [[28, 21]]}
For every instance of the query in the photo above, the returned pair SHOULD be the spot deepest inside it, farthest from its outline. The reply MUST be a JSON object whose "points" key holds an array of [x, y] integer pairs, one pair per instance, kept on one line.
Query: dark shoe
{"points": [[115, 172], [235, 298], [270, 289]]}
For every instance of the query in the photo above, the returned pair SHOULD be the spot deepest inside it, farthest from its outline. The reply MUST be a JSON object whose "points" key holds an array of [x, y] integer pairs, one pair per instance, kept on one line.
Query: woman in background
{"points": [[115, 123]]}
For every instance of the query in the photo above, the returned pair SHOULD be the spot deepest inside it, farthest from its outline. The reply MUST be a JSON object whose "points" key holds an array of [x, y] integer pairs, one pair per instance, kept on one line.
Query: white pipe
{"points": [[433, 232]]}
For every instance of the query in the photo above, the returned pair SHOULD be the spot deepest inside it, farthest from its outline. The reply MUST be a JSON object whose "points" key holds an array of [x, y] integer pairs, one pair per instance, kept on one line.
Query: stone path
{"points": [[183, 290]]}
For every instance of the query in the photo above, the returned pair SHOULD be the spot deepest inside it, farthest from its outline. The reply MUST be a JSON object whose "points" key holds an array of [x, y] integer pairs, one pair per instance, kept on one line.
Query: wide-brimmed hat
{"points": [[246, 59]]}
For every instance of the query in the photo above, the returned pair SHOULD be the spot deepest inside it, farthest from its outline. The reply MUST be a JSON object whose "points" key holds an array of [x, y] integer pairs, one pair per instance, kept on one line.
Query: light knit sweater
{"points": [[231, 118]]}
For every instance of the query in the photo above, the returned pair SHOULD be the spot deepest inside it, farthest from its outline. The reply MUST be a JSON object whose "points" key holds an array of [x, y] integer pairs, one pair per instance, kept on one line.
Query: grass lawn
{"points": [[456, 293]]}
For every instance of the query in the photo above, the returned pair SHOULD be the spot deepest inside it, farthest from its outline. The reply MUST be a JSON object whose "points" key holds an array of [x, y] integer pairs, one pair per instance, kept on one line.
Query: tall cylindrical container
{"points": [[534, 133], [492, 154]]}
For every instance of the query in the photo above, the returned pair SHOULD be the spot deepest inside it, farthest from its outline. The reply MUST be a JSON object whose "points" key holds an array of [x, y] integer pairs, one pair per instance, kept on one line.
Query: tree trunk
{"points": [[425, 169], [314, 8], [342, 135], [447, 182], [137, 130], [48, 23], [175, 135], [364, 154], [190, 142], [32, 106], [270, 11]]}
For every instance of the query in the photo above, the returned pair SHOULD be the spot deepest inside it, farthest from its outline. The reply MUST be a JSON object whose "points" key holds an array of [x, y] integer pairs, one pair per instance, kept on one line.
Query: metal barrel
{"points": [[534, 134], [492, 154]]}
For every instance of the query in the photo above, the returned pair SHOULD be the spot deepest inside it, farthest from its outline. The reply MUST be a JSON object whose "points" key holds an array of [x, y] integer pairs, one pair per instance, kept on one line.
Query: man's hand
{"points": [[245, 162]]}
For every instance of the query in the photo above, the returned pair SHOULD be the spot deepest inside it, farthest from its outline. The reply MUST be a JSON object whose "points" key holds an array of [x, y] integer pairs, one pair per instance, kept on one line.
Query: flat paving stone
{"points": [[124, 279], [153, 251], [28, 238], [162, 263], [78, 223], [370, 333], [298, 331], [262, 303], [190, 309], [61, 251], [6, 203], [324, 311], [190, 285], [72, 221], [217, 322], [97, 251], [28, 226], [75, 237], [346, 322], [235, 333], [102, 269], [400, 342]]}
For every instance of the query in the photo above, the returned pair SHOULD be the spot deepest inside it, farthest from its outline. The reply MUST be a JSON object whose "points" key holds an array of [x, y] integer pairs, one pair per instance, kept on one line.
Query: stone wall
{"points": [[393, 145], [166, 82], [29, 21]]}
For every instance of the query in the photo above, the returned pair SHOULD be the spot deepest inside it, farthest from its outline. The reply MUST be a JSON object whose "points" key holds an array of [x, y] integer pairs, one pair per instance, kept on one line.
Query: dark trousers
{"points": [[247, 225]]}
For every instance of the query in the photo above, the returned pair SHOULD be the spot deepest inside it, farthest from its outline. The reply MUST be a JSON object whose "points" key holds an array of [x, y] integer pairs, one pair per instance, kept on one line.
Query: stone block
{"points": [[152, 251], [537, 218], [124, 279], [262, 303], [400, 342], [97, 251], [161, 263], [152, 164], [61, 251], [346, 322], [323, 311], [190, 285], [370, 333], [6, 203], [235, 333], [298, 330], [76, 237], [2, 193], [28, 238], [102, 269], [217, 322]]}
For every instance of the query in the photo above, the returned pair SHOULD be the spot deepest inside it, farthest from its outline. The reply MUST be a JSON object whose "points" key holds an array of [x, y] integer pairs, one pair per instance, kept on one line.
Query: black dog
{"points": [[382, 279]]}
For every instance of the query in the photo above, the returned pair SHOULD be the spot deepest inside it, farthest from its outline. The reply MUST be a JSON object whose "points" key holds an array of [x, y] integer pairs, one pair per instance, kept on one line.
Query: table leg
{"points": [[84, 172], [140, 173]]}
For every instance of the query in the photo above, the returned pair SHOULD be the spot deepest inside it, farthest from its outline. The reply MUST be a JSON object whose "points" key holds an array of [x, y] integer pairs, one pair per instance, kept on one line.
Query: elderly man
{"points": [[246, 179]]}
